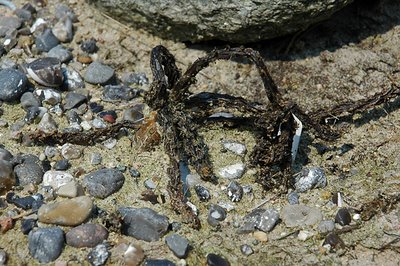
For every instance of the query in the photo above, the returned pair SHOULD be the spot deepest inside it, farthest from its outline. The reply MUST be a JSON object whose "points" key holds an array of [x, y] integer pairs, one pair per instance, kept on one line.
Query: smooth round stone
{"points": [[66, 212], [29, 173], [13, 84], [5, 155], [326, 226], [71, 151], [134, 114], [300, 215], [98, 73], [51, 152], [9, 23], [61, 53], [73, 99], [104, 182], [47, 124], [216, 214], [28, 100], [63, 29], [216, 260], [233, 171], [70, 190], [86, 235], [46, 244], [56, 179], [7, 177], [46, 71], [62, 10], [143, 223], [45, 41]]}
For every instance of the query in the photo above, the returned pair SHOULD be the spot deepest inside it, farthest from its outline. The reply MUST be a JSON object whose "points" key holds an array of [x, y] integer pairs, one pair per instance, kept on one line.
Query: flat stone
{"points": [[233, 171], [29, 173], [86, 235], [46, 244], [143, 223], [300, 215], [7, 177], [178, 245], [73, 99], [13, 85], [260, 219], [56, 179], [98, 73], [9, 23], [227, 20], [5, 155], [69, 212], [104, 182], [326, 226]]}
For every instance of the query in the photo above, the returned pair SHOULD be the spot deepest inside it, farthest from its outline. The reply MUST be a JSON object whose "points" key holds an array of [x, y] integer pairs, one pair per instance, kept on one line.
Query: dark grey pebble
{"points": [[104, 182], [134, 172], [119, 93], [28, 99], [154, 262], [216, 260], [5, 155], [134, 114], [98, 73], [334, 241], [89, 46], [293, 198], [61, 53], [13, 84], [9, 23], [73, 99], [23, 203], [45, 41], [3, 204], [343, 216], [178, 245], [46, 244], [215, 214], [310, 178], [2, 50], [202, 192], [23, 14], [143, 223], [134, 78], [62, 165], [73, 117], [46, 71], [32, 115], [29, 173], [86, 235], [95, 107], [27, 225], [62, 10], [99, 255], [235, 191], [261, 219], [246, 250]]}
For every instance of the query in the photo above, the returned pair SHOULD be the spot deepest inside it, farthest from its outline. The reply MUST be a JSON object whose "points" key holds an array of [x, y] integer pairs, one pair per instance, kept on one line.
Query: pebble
{"points": [[95, 107], [86, 125], [61, 53], [56, 179], [66, 212], [70, 151], [7, 223], [86, 235], [260, 236], [134, 114], [119, 93], [159, 262], [99, 255], [216, 214], [5, 155], [104, 182], [149, 183], [98, 73], [70, 190], [25, 203], [51, 152], [234, 191], [334, 241], [47, 124], [9, 23], [143, 223], [62, 165], [132, 255], [293, 198], [246, 250], [343, 217], [3, 257], [47, 192], [234, 171], [303, 235], [134, 78], [46, 244], [45, 41], [63, 29], [13, 84], [134, 172], [7, 177], [46, 71], [326, 226], [235, 147], [96, 158], [202, 192], [300, 215], [29, 100], [98, 123], [73, 99], [89, 46], [29, 173], [27, 225], [110, 143], [260, 219], [178, 245], [72, 79], [216, 260], [62, 10], [310, 178]]}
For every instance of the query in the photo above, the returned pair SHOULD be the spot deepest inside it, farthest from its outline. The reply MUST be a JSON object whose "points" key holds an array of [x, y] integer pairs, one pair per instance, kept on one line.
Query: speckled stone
{"points": [[310, 178], [70, 151], [46, 244], [98, 255], [29, 173], [66, 212], [260, 219], [13, 84], [86, 235], [56, 179], [104, 182]]}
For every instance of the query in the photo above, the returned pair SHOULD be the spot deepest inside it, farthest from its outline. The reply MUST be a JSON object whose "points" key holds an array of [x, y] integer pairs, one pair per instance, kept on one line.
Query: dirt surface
{"points": [[350, 57]]}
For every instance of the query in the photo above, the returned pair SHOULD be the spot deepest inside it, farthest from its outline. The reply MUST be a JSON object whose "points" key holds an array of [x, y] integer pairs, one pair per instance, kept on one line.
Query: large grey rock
{"points": [[239, 21]]}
